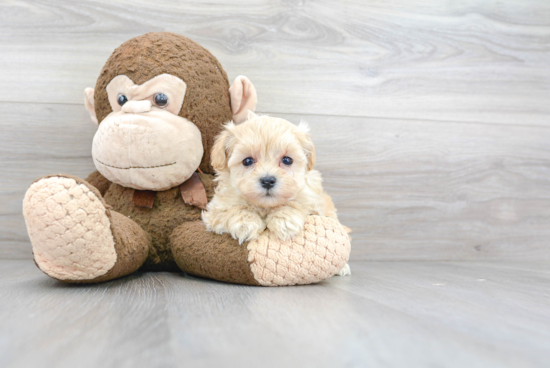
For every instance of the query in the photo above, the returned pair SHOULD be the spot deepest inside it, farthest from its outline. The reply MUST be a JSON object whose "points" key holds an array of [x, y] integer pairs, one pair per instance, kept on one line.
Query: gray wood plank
{"points": [[455, 294], [481, 61], [424, 190], [37, 140], [387, 314], [410, 190]]}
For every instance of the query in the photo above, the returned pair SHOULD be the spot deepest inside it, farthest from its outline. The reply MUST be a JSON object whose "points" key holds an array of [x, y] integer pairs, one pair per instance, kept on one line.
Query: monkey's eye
{"points": [[161, 99], [287, 161], [122, 100], [248, 161]]}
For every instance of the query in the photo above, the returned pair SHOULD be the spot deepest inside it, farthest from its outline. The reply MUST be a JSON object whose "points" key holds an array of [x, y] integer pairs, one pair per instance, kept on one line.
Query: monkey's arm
{"points": [[99, 182], [317, 253]]}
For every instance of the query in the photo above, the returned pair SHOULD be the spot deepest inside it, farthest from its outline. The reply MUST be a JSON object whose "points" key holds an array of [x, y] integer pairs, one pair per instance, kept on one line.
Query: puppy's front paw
{"points": [[285, 224], [247, 229]]}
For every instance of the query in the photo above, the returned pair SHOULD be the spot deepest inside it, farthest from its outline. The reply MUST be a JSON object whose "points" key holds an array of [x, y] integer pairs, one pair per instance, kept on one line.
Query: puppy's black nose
{"points": [[268, 182]]}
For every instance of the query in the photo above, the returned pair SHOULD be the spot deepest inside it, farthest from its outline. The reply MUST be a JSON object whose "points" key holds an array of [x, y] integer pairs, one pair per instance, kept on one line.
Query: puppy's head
{"points": [[265, 158]]}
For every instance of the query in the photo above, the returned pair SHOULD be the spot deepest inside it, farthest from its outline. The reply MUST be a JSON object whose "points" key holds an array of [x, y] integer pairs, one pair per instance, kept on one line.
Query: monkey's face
{"points": [[143, 143], [160, 100]]}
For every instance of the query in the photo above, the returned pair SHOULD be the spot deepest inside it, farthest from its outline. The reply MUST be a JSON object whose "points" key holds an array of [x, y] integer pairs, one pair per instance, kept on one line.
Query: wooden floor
{"points": [[387, 314], [431, 121]]}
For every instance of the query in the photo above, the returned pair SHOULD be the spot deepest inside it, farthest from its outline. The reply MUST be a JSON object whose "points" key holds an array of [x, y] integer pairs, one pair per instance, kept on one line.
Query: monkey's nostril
{"points": [[268, 182]]}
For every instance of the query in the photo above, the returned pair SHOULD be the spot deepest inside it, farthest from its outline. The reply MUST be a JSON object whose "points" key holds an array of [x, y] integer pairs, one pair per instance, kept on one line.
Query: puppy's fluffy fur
{"points": [[243, 207]]}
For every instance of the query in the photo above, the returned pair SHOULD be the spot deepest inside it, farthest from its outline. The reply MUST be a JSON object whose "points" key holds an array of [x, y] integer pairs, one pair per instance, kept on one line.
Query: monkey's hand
{"points": [[285, 222], [241, 223]]}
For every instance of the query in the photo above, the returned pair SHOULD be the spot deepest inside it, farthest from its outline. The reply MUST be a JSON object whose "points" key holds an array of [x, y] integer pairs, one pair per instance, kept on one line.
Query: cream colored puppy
{"points": [[265, 179]]}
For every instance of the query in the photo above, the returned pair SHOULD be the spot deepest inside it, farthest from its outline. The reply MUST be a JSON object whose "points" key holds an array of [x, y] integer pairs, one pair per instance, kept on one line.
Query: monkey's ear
{"points": [[219, 154], [89, 103], [243, 98]]}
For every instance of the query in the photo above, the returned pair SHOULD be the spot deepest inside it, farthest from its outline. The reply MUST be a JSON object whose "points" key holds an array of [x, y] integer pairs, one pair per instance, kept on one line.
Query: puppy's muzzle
{"points": [[268, 182]]}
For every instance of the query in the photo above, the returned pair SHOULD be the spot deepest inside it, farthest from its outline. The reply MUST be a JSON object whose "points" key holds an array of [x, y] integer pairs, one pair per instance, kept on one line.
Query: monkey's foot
{"points": [[320, 251], [69, 228], [317, 253]]}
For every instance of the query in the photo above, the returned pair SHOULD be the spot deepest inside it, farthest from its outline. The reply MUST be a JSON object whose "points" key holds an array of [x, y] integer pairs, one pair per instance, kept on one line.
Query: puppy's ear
{"points": [[219, 155], [307, 144]]}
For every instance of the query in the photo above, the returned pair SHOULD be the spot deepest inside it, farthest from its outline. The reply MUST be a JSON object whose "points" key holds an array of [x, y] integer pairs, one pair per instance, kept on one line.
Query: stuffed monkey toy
{"points": [[159, 103]]}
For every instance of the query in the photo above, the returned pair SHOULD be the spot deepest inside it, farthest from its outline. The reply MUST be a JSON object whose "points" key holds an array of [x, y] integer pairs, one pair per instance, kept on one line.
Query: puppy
{"points": [[265, 179]]}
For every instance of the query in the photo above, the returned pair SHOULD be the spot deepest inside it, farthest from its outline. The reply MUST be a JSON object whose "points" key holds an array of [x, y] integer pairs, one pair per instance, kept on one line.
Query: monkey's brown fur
{"points": [[206, 102], [168, 212]]}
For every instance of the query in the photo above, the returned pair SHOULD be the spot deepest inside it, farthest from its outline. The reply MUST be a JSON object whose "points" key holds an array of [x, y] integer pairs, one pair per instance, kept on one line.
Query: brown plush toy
{"points": [[159, 102]]}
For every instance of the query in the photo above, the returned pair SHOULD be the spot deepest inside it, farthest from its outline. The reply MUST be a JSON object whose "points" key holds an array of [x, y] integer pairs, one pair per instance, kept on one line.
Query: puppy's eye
{"points": [[287, 161], [248, 161], [121, 99], [161, 99]]}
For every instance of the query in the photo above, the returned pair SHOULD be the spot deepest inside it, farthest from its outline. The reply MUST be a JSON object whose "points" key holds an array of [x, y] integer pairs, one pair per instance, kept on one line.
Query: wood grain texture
{"points": [[410, 190], [37, 140], [432, 126], [393, 314], [468, 60], [431, 120]]}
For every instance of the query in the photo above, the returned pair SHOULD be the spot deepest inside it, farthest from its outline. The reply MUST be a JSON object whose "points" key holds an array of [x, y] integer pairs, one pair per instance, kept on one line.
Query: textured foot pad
{"points": [[320, 251], [69, 229]]}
